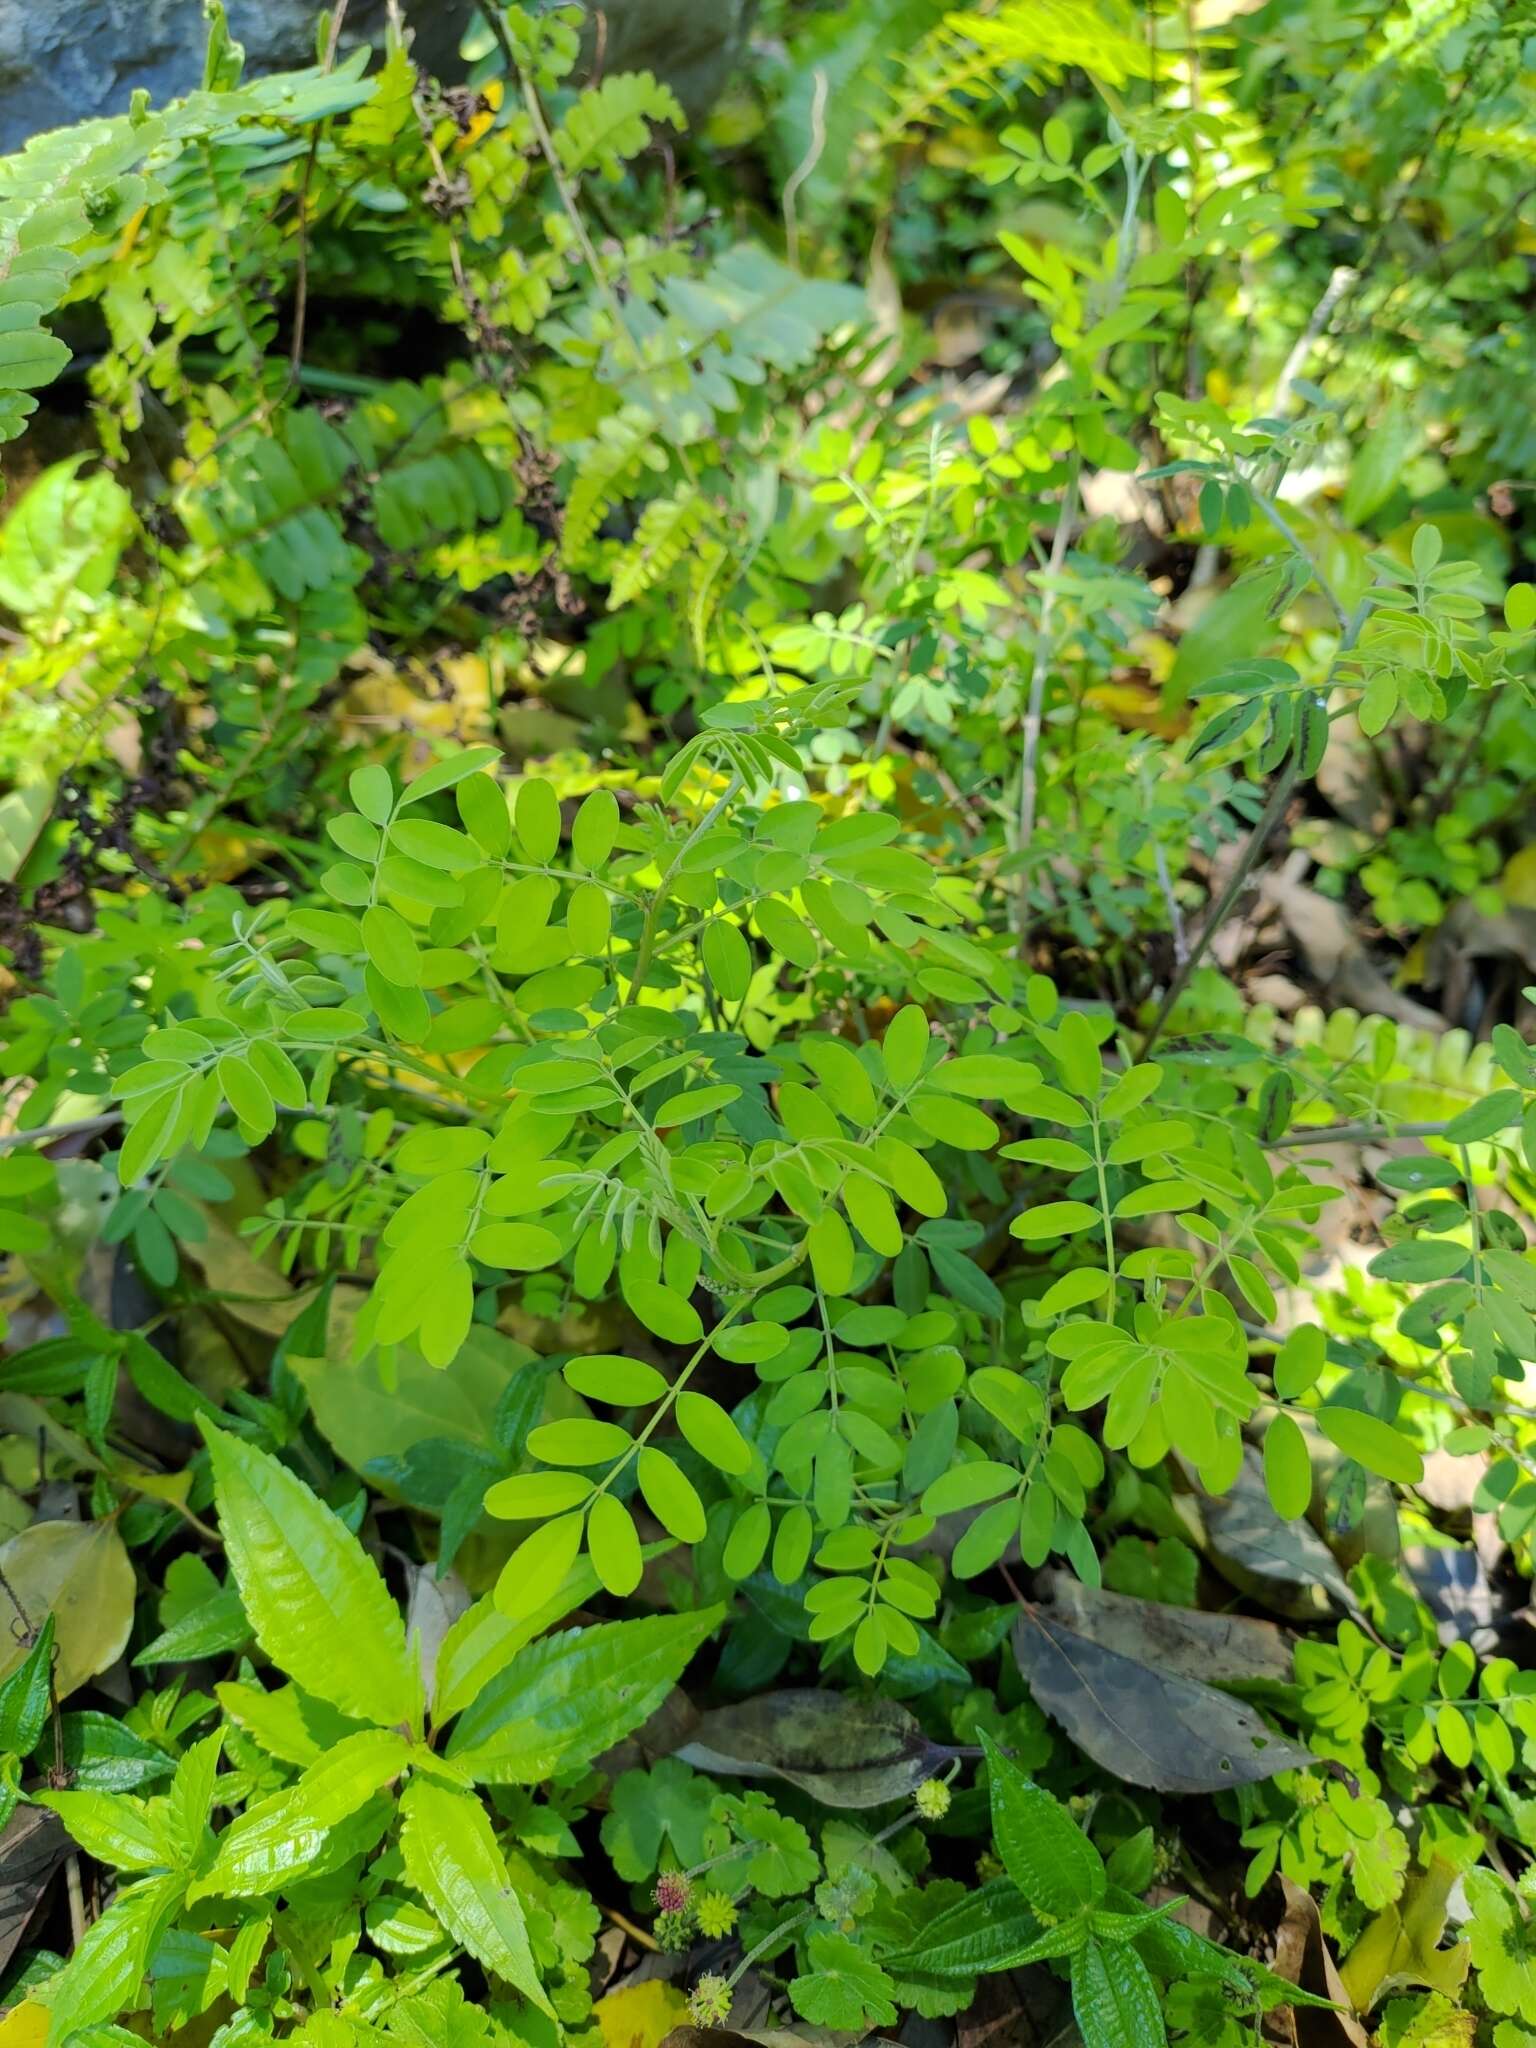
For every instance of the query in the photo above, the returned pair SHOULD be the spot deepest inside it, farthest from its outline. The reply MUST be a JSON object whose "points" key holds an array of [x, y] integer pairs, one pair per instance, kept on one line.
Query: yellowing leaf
{"points": [[639, 2016], [80, 1573], [24, 2026]]}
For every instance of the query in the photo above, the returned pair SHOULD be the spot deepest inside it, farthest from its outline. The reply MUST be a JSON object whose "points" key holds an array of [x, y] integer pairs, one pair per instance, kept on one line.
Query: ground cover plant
{"points": [[767, 1125]]}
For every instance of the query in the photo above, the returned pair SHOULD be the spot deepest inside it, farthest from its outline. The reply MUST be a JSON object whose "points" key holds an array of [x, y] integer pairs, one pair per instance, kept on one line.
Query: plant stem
{"points": [[1271, 815], [1029, 772]]}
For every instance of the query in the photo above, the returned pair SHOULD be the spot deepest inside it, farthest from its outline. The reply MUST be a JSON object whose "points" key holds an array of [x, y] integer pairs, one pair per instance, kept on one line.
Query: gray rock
{"points": [[688, 44], [65, 60]]}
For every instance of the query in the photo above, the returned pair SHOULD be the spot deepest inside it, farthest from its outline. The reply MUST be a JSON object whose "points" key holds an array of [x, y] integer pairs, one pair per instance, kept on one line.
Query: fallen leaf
{"points": [[1287, 1565], [768, 2037], [641, 2015], [80, 1573], [1303, 1958], [1212, 1648], [1338, 962], [248, 1290], [368, 1412], [844, 1751], [25, 2026], [1400, 1949], [33, 1844], [1145, 1725], [433, 1605]]}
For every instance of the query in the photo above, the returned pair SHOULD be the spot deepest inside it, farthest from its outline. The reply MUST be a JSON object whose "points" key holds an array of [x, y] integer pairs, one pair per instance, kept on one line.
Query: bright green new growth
{"points": [[653, 906]]}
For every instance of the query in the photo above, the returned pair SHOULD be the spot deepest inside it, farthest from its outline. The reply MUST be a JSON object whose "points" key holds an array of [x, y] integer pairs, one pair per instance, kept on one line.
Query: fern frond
{"points": [[969, 56], [612, 121], [666, 527], [623, 446], [51, 194], [746, 315]]}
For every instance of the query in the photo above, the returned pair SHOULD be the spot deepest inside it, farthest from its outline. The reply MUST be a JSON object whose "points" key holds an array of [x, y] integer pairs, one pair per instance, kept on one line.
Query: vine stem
{"points": [[1271, 815], [647, 945], [1353, 1134], [1034, 710]]}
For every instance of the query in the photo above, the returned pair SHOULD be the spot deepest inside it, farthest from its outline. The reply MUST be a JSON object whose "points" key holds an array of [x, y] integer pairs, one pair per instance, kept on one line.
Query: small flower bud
{"points": [[932, 1799], [709, 2003], [716, 1914], [674, 1931], [672, 1891]]}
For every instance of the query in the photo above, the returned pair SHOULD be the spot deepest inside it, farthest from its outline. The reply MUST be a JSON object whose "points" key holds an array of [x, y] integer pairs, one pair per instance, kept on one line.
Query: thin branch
{"points": [[1034, 710], [301, 284], [1352, 1134], [46, 1134], [1271, 815]]}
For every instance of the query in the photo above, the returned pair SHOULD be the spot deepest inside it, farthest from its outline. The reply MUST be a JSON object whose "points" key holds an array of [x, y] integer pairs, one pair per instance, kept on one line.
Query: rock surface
{"points": [[66, 60]]}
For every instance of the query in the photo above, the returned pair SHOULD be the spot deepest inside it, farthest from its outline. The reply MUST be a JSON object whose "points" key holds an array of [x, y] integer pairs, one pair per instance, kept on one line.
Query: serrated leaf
{"points": [[1114, 1999], [275, 1840], [1146, 1725], [562, 1701], [316, 1600], [452, 1859], [1053, 1863]]}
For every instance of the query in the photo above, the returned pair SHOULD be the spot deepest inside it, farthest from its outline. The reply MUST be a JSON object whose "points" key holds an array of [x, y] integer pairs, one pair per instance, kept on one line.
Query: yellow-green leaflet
{"points": [[562, 1701], [452, 1859], [315, 1598]]}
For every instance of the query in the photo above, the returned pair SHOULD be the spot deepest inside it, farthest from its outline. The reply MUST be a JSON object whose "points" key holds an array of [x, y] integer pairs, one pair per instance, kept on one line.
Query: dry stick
{"points": [[301, 284], [1338, 284], [1034, 711], [1034, 714], [1271, 815]]}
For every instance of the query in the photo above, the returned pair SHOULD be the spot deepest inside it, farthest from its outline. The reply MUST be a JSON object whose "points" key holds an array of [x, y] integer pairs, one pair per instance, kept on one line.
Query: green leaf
{"points": [[371, 789], [621, 1382], [1485, 1119], [712, 1433], [113, 1829], [515, 1247], [1044, 1851], [562, 1701], [595, 828], [578, 1441], [974, 1935], [484, 1639], [905, 1045], [1114, 1999], [452, 1859], [315, 1598], [843, 1986], [275, 1840], [391, 946], [1053, 1219], [537, 817], [670, 1495], [540, 1564], [103, 1976], [1372, 1443], [26, 1695], [1287, 1468], [664, 1312]]}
